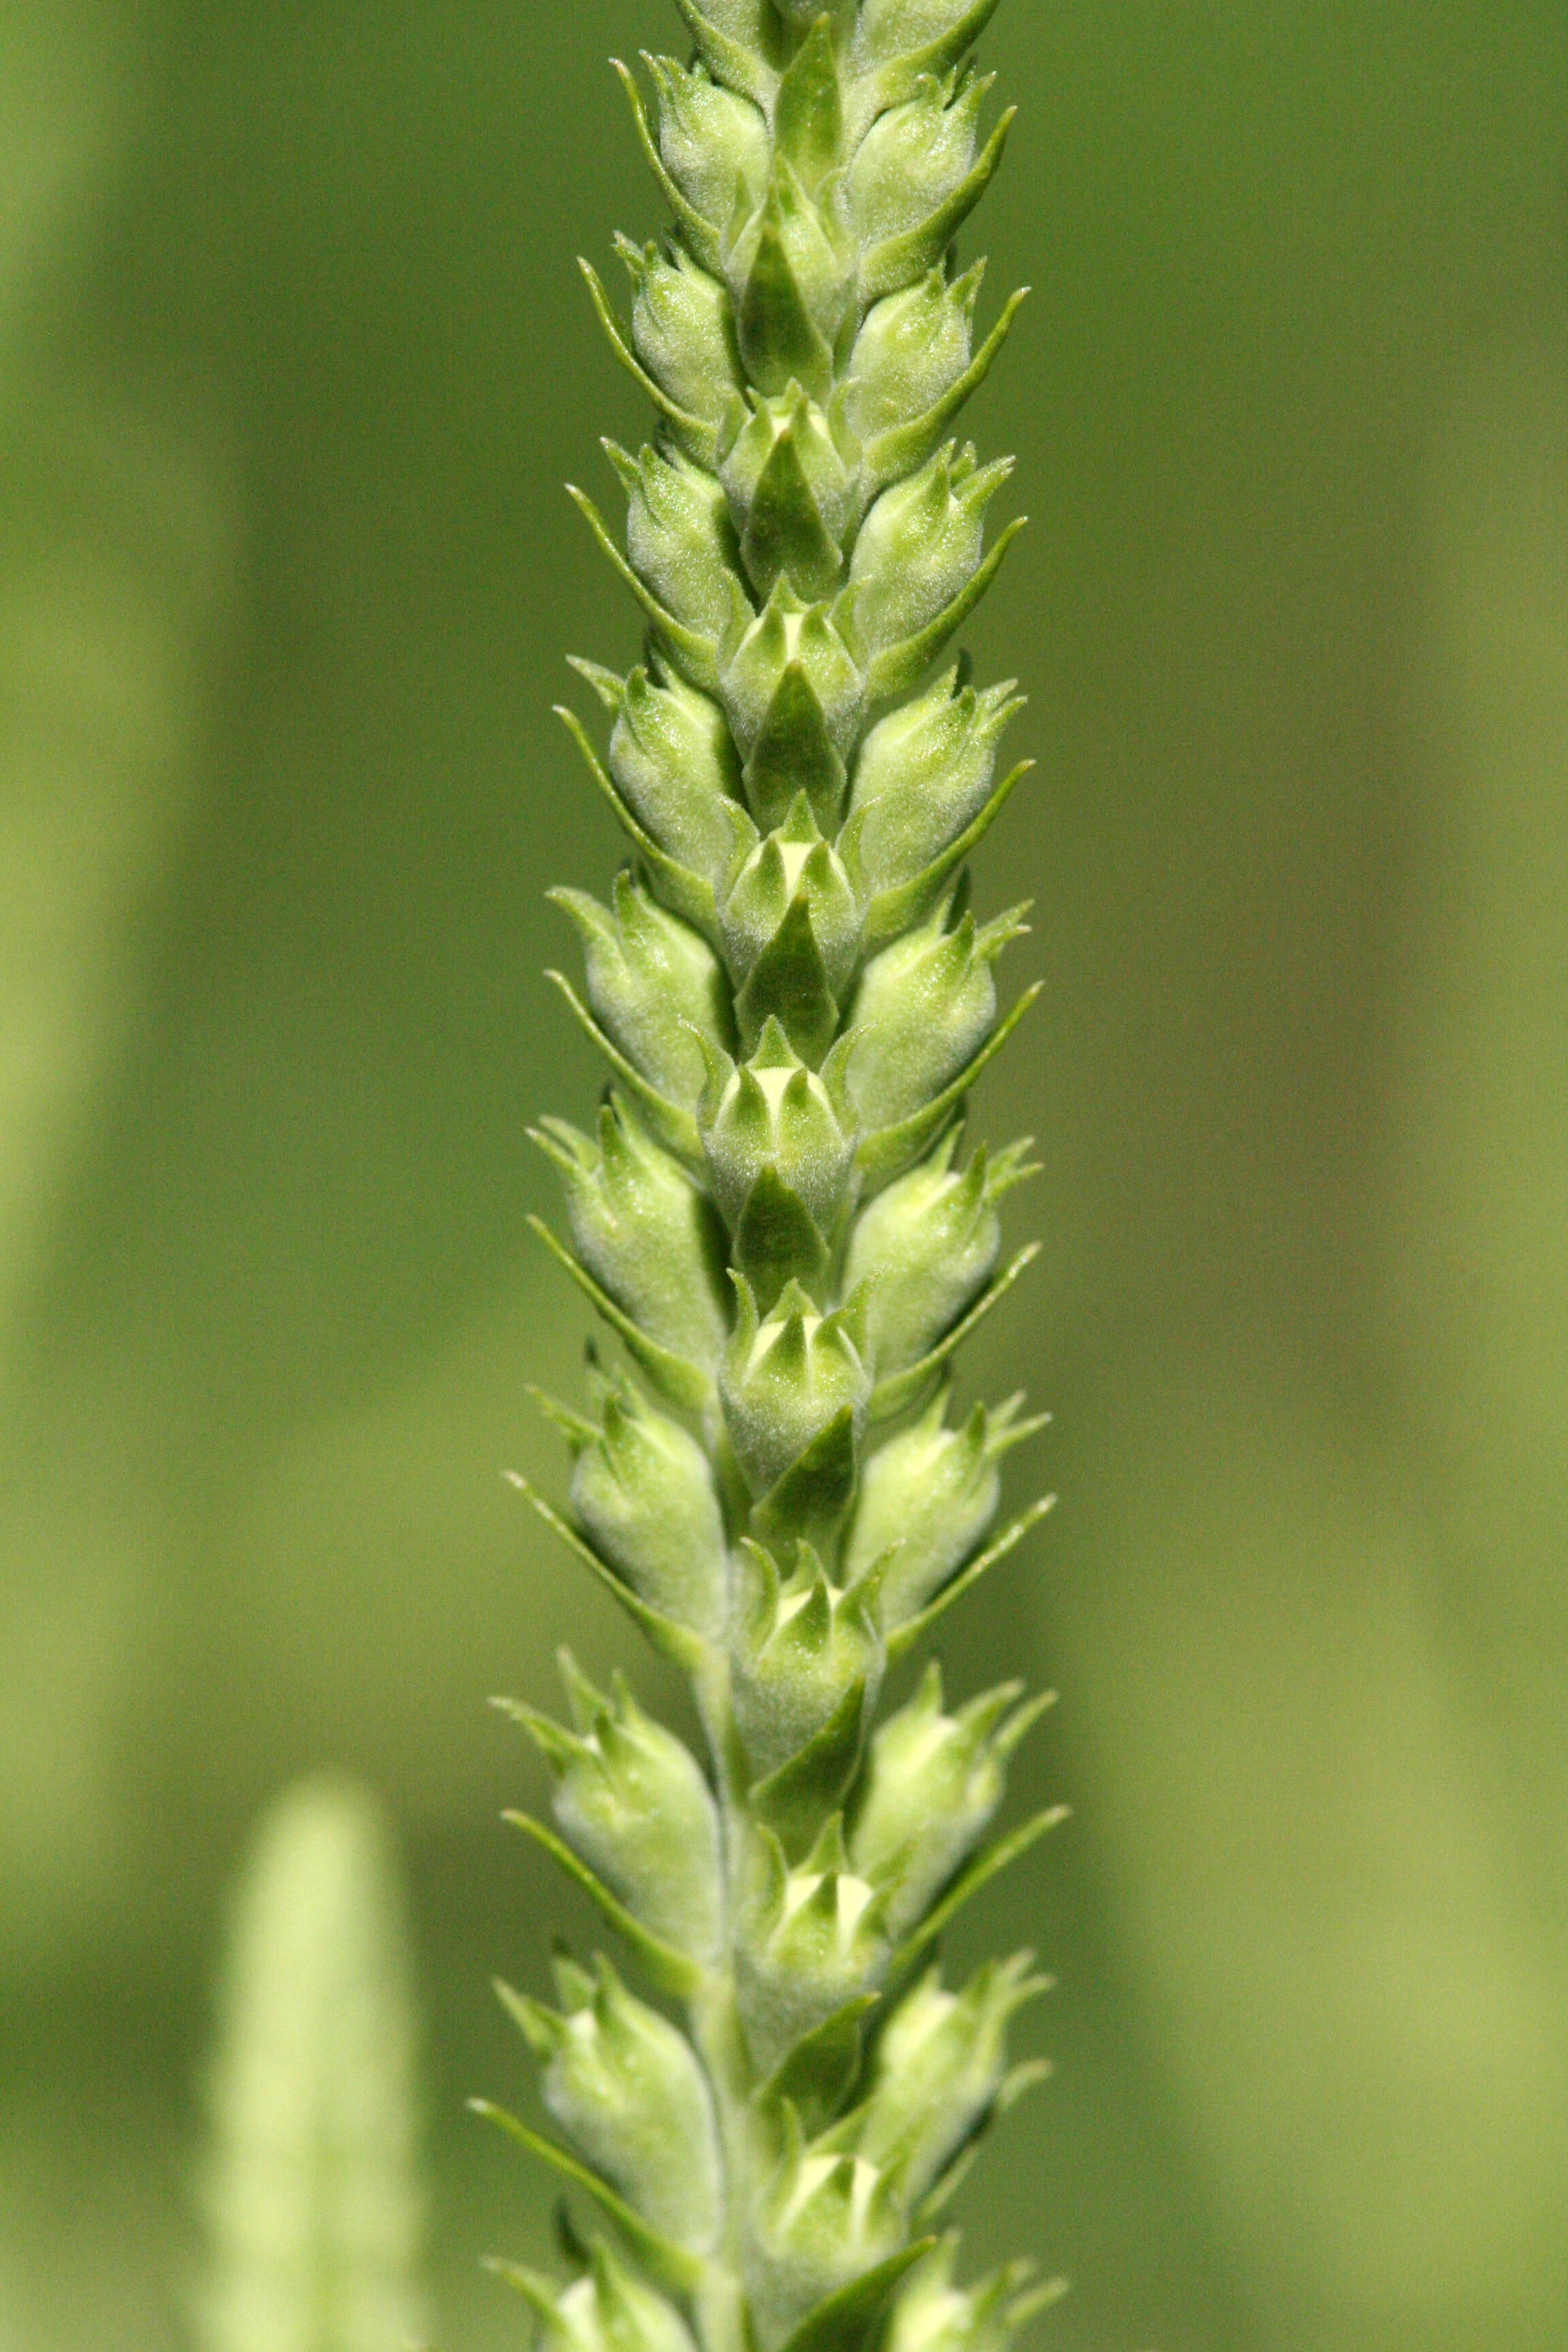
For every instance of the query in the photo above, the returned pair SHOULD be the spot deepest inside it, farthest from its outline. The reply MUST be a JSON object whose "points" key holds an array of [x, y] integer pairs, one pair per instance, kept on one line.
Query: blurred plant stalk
{"points": [[312, 2187]]}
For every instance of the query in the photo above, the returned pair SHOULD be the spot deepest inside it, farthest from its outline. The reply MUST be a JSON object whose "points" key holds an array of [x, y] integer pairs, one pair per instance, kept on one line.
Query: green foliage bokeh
{"points": [[293, 359]]}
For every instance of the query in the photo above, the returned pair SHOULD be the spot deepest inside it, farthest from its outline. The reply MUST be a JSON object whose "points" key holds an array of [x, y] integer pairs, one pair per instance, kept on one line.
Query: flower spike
{"points": [[778, 1217]]}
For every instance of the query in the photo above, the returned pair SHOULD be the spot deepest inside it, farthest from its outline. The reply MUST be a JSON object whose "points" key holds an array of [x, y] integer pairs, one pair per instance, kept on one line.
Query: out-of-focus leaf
{"points": [[312, 2184]]}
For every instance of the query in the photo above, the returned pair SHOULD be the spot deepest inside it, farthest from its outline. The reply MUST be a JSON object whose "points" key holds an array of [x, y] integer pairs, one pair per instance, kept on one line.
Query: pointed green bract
{"points": [[776, 1220]]}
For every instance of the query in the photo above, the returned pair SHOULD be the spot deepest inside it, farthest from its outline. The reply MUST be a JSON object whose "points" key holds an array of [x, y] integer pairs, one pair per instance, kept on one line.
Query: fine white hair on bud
{"points": [[778, 1218]]}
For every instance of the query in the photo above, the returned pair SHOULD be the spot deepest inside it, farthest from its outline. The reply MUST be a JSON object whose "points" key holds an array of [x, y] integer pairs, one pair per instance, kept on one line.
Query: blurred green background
{"points": [[293, 358]]}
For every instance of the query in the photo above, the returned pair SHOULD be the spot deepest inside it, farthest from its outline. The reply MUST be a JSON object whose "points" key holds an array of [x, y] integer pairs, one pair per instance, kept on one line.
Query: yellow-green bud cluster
{"points": [[777, 1220]]}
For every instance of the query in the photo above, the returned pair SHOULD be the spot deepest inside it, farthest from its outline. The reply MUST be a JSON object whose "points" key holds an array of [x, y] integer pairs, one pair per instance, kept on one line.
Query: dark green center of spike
{"points": [[776, 1242], [788, 983], [808, 113], [812, 1497], [794, 754], [777, 335], [786, 532], [796, 1799]]}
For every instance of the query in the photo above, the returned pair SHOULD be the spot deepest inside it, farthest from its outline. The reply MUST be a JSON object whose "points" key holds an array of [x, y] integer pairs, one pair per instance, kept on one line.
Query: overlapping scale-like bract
{"points": [[776, 1219]]}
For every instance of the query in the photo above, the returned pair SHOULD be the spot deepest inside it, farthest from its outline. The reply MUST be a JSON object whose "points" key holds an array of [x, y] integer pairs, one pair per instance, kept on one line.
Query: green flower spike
{"points": [[775, 1218]]}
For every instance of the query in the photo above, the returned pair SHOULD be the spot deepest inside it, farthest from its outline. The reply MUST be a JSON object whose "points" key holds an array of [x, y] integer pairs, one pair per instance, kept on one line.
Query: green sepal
{"points": [[681, 541], [922, 1009], [808, 111], [933, 2315], [913, 348], [776, 1241], [774, 1112], [892, 912], [643, 1492], [812, 1939], [778, 336], [642, 1230], [786, 1377], [671, 2264], [731, 60], [789, 983], [825, 455], [674, 1128], [939, 2071], [671, 1970], [713, 147], [844, 2322], [802, 1647], [928, 1497], [684, 1383], [822, 2223], [925, 1248], [921, 545], [881, 37], [684, 335], [913, 158], [685, 892], [652, 979], [791, 278], [932, 1784], [757, 900], [606, 2308], [793, 754], [626, 2086], [923, 774], [897, 260], [786, 633], [755, 24], [677, 1642], [634, 1804]]}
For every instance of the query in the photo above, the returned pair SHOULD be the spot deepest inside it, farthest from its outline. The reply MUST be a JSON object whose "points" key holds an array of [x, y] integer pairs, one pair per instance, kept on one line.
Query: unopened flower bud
{"points": [[912, 347], [680, 537], [924, 1007], [786, 635], [632, 1802], [786, 1379], [643, 1494], [920, 544], [682, 328], [642, 1230], [941, 2059], [714, 144], [915, 155], [627, 2086], [924, 773], [652, 981], [926, 1501], [672, 756], [931, 1785]]}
